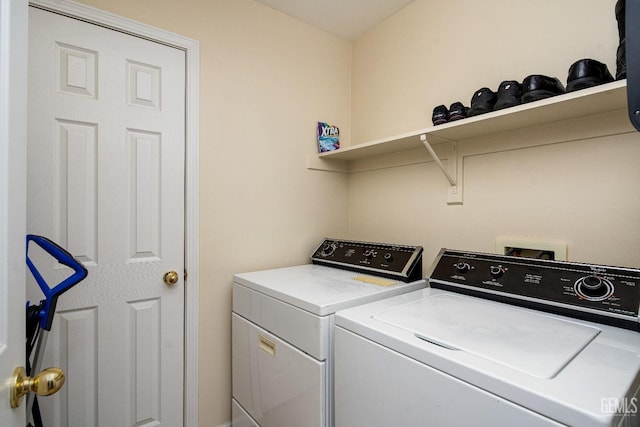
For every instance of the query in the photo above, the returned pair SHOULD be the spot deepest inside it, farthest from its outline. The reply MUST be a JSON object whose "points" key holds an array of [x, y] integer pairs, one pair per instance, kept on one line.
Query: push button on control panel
{"points": [[497, 271], [368, 254], [462, 267]]}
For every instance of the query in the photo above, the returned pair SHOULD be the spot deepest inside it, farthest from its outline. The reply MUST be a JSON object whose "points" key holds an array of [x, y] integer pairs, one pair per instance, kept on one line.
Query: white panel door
{"points": [[106, 181]]}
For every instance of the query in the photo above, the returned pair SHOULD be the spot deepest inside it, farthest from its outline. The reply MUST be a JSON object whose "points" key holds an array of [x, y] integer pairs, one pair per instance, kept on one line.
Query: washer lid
{"points": [[323, 290], [536, 344]]}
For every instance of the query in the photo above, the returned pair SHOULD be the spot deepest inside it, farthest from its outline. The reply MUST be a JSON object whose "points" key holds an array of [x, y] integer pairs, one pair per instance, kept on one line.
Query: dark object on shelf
{"points": [[621, 60], [509, 94], [482, 102], [440, 115], [457, 111], [632, 54], [537, 86], [587, 72]]}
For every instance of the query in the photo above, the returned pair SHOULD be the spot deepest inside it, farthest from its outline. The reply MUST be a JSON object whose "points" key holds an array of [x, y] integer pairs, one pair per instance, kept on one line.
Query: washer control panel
{"points": [[400, 262], [594, 292]]}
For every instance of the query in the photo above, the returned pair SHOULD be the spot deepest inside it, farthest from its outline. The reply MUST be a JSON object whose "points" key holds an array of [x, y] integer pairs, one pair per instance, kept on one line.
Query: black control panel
{"points": [[598, 293], [399, 262]]}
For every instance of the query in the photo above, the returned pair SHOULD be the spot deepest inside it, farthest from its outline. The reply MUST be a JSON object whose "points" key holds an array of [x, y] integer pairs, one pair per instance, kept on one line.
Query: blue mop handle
{"points": [[52, 293]]}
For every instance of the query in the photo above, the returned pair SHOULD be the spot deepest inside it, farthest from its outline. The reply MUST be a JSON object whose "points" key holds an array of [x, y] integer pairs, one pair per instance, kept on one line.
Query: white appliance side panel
{"points": [[308, 332], [375, 386], [239, 417], [277, 384]]}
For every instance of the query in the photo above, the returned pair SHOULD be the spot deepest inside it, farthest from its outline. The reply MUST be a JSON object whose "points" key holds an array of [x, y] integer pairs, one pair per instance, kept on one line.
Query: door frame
{"points": [[191, 283], [13, 187]]}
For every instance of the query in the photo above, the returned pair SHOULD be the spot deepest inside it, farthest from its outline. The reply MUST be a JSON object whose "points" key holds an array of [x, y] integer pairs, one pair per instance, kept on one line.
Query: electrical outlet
{"points": [[531, 248]]}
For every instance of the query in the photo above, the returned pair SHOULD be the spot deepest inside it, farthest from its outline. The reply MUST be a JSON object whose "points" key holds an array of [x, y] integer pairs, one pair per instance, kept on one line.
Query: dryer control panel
{"points": [[400, 262], [598, 293]]}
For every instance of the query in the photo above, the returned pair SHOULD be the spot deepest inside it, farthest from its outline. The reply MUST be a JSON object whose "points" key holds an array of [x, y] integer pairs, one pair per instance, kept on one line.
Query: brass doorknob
{"points": [[46, 382], [171, 277]]}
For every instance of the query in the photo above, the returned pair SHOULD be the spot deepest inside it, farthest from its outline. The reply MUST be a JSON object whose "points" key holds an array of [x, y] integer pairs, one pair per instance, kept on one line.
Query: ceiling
{"points": [[348, 19]]}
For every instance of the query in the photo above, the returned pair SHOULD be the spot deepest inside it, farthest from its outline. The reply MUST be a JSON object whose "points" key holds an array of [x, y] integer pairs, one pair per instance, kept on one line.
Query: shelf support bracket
{"points": [[454, 192]]}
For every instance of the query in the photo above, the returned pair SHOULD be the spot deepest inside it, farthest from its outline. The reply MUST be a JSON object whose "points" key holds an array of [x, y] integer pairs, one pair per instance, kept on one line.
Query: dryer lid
{"points": [[531, 342]]}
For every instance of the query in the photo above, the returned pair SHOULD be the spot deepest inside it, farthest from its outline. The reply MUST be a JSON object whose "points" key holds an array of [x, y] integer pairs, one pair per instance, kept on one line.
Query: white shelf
{"points": [[598, 99], [583, 103]]}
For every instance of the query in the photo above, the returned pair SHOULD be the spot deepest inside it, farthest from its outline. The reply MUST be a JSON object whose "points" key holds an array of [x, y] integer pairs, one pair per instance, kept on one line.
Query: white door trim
{"points": [[192, 50], [13, 189]]}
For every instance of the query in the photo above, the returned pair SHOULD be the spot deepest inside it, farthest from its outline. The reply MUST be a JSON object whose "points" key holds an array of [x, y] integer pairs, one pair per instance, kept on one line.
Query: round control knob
{"points": [[593, 288], [592, 282], [328, 249], [462, 267], [497, 271], [388, 257]]}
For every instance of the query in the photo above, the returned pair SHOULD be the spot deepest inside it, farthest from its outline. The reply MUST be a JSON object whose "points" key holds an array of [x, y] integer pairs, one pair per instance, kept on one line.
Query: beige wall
{"points": [[265, 79], [574, 189]]}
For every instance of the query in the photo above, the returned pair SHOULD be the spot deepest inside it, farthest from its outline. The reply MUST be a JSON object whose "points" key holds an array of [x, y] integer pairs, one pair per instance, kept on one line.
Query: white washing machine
{"points": [[282, 327], [494, 341]]}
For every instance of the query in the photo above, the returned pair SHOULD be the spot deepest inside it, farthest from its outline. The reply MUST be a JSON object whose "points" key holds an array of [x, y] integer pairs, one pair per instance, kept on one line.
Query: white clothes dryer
{"points": [[495, 341], [282, 327]]}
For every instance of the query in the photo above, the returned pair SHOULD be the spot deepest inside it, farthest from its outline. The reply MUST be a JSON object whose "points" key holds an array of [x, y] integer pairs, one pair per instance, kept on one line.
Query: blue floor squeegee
{"points": [[40, 316]]}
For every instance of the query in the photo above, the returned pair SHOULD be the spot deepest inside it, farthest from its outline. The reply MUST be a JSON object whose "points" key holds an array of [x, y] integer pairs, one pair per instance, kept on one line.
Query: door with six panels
{"points": [[106, 146]]}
